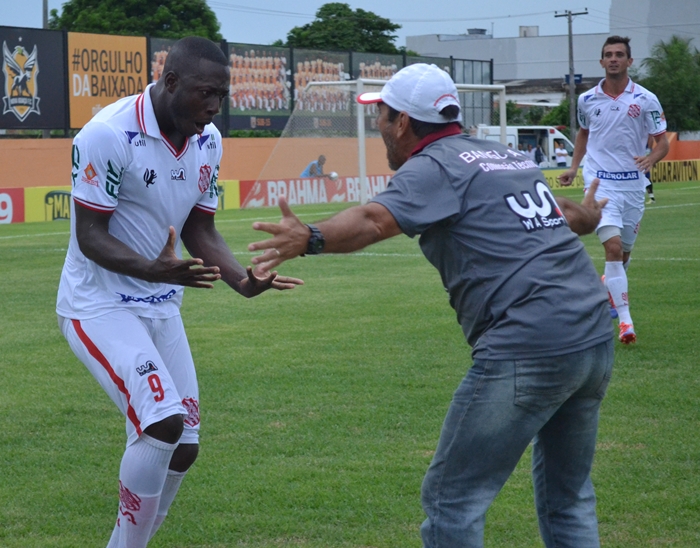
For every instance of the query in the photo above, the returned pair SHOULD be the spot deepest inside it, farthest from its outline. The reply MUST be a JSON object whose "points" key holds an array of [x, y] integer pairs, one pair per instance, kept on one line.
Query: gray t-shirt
{"points": [[519, 279]]}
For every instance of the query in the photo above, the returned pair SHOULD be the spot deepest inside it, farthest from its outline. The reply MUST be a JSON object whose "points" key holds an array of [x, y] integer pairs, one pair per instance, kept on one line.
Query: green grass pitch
{"points": [[321, 406]]}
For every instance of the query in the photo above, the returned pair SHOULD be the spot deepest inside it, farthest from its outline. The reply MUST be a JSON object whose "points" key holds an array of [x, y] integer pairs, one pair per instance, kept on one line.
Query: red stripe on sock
{"points": [[95, 353]]}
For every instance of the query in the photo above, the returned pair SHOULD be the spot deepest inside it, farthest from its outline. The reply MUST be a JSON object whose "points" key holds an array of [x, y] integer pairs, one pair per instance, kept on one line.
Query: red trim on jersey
{"points": [[140, 117], [94, 207], [95, 353], [203, 209], [172, 148]]}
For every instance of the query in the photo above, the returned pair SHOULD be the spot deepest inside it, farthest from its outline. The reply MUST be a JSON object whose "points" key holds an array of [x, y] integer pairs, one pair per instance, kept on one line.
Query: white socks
{"points": [[616, 282], [172, 484], [142, 476]]}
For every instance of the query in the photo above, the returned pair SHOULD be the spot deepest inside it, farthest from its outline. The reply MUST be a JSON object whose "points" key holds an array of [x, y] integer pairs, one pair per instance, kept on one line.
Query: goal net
{"points": [[330, 127]]}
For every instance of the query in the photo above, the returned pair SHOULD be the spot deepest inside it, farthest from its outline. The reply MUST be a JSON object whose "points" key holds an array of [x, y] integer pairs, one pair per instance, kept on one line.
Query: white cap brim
{"points": [[369, 98]]}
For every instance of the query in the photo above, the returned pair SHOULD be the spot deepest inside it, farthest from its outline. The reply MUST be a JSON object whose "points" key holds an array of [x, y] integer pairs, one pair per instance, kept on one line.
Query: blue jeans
{"points": [[498, 409]]}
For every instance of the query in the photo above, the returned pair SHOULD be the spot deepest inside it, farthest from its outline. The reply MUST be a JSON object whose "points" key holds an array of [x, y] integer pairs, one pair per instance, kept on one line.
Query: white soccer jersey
{"points": [[619, 128], [123, 165]]}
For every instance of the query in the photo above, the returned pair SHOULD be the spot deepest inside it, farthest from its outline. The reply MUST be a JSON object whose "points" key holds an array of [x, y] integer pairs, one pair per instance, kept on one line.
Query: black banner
{"points": [[33, 79]]}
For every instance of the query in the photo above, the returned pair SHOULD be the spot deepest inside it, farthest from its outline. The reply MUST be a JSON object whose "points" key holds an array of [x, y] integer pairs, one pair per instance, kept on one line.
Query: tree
{"points": [[338, 27], [673, 74], [558, 116], [157, 18]]}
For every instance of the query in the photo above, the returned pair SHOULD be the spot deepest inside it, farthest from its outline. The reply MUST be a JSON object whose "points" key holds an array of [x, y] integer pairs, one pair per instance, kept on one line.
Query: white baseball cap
{"points": [[421, 90]]}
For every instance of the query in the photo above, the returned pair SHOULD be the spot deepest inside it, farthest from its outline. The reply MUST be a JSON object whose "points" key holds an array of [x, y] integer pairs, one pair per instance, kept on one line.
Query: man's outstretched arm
{"points": [[350, 230]]}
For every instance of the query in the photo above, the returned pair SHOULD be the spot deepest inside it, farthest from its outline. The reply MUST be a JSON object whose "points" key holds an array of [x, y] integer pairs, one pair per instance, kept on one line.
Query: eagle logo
{"points": [[20, 88]]}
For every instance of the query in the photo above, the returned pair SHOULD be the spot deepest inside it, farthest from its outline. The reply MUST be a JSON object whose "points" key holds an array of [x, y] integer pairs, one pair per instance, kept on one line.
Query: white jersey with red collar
{"points": [[619, 128], [123, 165]]}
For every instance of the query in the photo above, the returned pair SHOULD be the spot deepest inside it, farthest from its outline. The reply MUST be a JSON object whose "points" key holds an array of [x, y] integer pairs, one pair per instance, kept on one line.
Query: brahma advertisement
{"points": [[322, 190]]}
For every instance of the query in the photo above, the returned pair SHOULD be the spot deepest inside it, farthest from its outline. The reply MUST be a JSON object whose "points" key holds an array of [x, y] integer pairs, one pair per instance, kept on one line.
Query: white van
{"points": [[545, 136]]}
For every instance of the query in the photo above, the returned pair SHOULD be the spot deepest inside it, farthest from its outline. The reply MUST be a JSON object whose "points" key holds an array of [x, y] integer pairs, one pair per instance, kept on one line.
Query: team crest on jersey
{"points": [[192, 407], [177, 174], [634, 111], [146, 368], [21, 69], [537, 215], [204, 177], [90, 176]]}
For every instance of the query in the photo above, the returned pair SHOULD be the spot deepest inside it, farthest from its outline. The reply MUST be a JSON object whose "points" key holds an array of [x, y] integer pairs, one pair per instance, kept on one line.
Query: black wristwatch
{"points": [[316, 241]]}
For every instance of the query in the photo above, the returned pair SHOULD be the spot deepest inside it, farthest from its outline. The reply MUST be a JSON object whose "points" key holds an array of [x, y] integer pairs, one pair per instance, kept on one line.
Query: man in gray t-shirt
{"points": [[526, 295]]}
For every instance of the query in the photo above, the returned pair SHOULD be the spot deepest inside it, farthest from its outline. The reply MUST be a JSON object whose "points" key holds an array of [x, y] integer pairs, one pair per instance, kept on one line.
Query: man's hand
{"points": [[566, 178], [583, 218], [290, 238], [643, 163], [259, 281], [168, 268]]}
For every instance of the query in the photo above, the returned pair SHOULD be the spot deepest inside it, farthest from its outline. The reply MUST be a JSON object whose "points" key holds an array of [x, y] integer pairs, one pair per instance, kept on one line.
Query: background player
{"points": [[526, 295], [144, 180], [315, 169], [617, 117]]}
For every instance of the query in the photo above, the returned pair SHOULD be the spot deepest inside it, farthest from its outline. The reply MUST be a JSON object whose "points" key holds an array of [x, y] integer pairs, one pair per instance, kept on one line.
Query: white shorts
{"points": [[624, 210], [143, 364]]}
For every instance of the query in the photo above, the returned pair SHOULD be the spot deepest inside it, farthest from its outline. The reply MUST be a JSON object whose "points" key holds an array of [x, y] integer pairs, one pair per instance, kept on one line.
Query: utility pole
{"points": [[45, 134], [572, 80]]}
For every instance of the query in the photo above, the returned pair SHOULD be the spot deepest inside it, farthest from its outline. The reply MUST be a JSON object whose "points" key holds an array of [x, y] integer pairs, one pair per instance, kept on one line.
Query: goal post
{"points": [[328, 121]]}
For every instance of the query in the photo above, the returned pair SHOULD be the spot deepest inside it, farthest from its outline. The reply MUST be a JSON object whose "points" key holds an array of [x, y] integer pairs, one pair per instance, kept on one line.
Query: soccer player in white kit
{"points": [[144, 174], [617, 118]]}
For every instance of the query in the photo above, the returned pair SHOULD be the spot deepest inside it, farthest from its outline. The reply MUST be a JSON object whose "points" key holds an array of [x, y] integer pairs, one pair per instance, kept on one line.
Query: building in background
{"points": [[534, 67]]}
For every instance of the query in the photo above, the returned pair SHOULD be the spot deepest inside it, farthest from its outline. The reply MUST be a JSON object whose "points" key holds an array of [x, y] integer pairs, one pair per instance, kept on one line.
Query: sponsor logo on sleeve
{"points": [[114, 179], [90, 176]]}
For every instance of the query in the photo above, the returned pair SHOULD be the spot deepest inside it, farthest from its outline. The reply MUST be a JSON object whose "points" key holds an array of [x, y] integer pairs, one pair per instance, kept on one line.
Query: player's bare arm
{"points": [[202, 239], [583, 218], [350, 230], [566, 178], [98, 245], [658, 153]]}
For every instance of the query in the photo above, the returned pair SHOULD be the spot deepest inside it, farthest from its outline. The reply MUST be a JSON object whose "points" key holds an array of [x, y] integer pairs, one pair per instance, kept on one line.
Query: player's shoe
{"points": [[651, 201], [627, 334], [613, 310]]}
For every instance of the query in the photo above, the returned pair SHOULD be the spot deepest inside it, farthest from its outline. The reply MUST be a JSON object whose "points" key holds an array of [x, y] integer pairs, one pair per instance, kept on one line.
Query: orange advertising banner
{"points": [[101, 70]]}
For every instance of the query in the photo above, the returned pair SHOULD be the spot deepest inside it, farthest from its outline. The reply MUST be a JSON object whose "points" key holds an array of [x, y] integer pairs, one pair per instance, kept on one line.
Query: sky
{"points": [[255, 22]]}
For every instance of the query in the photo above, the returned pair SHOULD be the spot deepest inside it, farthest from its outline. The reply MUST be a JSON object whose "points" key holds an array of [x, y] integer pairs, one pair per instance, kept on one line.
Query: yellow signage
{"points": [[102, 69], [47, 203]]}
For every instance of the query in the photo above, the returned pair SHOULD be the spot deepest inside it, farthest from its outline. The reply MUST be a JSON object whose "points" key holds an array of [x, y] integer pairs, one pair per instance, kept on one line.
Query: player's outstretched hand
{"points": [[590, 203], [290, 238], [259, 281], [168, 268], [583, 218]]}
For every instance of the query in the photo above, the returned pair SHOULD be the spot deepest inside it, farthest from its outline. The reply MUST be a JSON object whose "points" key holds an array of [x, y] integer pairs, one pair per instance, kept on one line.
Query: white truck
{"points": [[545, 136]]}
